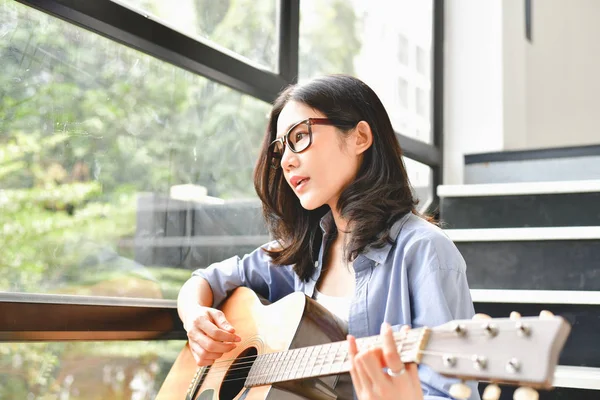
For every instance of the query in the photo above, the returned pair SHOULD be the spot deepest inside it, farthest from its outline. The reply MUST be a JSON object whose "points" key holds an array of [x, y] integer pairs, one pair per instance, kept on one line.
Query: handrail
{"points": [[57, 317]]}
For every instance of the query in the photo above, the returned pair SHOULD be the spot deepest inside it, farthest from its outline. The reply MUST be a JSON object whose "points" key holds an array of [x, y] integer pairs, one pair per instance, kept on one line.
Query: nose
{"points": [[289, 159]]}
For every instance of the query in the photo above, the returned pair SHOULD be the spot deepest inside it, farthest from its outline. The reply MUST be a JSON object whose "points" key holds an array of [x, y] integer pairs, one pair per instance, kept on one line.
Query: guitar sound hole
{"points": [[233, 382]]}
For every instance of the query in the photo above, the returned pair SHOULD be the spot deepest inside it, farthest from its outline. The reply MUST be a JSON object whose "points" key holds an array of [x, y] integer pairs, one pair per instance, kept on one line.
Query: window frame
{"points": [[112, 20]]}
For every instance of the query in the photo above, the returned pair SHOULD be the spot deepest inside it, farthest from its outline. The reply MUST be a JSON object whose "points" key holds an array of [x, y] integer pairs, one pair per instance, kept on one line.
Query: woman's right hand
{"points": [[209, 333]]}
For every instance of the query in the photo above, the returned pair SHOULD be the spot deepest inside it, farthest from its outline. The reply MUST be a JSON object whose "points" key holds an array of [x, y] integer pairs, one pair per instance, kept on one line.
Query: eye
{"points": [[298, 136]]}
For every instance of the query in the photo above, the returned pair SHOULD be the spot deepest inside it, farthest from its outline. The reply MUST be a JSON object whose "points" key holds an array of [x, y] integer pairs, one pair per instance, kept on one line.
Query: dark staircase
{"points": [[534, 246]]}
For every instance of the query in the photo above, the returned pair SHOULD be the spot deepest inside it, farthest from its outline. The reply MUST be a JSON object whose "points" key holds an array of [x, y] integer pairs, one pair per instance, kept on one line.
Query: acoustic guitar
{"points": [[294, 349]]}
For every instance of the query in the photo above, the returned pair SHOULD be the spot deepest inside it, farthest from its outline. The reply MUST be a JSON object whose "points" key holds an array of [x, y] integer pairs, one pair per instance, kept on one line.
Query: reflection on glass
{"points": [[118, 173], [421, 180], [85, 370], [376, 41], [246, 27]]}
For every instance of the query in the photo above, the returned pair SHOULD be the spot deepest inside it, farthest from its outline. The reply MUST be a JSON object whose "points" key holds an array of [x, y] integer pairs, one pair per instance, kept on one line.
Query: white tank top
{"points": [[338, 306]]}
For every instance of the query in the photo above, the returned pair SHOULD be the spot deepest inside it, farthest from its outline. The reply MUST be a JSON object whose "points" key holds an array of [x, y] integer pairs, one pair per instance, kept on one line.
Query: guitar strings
{"points": [[359, 341], [320, 373], [415, 333], [321, 359]]}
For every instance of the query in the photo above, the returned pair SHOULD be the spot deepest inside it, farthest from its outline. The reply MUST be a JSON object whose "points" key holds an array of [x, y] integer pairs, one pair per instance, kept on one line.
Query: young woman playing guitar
{"points": [[338, 204]]}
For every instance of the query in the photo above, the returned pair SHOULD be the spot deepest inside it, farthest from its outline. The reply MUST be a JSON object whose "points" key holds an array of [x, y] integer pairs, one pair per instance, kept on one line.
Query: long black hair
{"points": [[379, 195]]}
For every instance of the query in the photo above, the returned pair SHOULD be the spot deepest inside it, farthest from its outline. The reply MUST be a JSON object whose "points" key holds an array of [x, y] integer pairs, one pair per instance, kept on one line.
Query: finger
{"points": [[207, 325], [220, 320], [370, 362], [362, 370], [412, 370], [352, 352], [390, 353], [214, 346], [198, 353]]}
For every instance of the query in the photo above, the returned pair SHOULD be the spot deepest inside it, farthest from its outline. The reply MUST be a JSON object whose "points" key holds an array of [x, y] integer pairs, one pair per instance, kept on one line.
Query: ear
{"points": [[363, 137]]}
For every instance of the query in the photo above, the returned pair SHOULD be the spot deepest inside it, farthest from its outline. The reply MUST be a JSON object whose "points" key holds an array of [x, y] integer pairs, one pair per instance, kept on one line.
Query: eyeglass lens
{"points": [[298, 139]]}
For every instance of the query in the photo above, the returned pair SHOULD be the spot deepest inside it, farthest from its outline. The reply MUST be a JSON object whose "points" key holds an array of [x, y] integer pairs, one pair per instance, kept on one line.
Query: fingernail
{"points": [[238, 339], [385, 326]]}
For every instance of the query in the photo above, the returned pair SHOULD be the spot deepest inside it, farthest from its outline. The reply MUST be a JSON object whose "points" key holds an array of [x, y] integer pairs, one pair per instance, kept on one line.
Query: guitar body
{"points": [[293, 322]]}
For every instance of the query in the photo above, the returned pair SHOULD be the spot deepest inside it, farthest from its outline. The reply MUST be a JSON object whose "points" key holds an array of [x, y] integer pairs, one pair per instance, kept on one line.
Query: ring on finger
{"points": [[395, 373]]}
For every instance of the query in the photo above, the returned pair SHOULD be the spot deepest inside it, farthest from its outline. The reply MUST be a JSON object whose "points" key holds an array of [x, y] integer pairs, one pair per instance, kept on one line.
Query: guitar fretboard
{"points": [[322, 360]]}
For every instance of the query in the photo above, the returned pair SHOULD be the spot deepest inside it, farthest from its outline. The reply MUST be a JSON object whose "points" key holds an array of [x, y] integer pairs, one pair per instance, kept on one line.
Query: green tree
{"points": [[86, 125]]}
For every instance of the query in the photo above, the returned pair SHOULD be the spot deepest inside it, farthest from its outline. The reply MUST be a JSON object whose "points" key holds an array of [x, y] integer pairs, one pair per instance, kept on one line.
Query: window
{"points": [[371, 40], [245, 27], [113, 175], [423, 102], [421, 180], [403, 49], [423, 61], [403, 92]]}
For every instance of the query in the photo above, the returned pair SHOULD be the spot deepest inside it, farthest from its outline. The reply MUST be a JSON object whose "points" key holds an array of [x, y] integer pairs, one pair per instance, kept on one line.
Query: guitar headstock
{"points": [[516, 350]]}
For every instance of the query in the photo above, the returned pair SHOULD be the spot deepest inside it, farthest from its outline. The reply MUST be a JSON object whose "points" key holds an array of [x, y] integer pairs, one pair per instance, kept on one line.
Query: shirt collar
{"points": [[380, 254], [327, 223]]}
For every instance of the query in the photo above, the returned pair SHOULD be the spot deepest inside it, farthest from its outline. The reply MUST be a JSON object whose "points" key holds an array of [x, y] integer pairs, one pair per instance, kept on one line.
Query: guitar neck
{"points": [[326, 359]]}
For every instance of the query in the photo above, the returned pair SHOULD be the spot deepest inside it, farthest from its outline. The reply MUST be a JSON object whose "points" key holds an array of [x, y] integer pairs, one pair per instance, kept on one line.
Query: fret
{"points": [[295, 364], [299, 370], [338, 346], [326, 349], [271, 368], [346, 358], [306, 371], [294, 373], [335, 347], [255, 370], [287, 365], [252, 375], [262, 367], [280, 370], [314, 355]]}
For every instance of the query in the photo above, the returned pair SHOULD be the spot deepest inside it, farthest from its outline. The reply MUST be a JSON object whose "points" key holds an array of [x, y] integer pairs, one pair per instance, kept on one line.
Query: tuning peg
{"points": [[545, 314], [491, 392], [526, 393], [515, 316], [460, 391], [481, 316]]}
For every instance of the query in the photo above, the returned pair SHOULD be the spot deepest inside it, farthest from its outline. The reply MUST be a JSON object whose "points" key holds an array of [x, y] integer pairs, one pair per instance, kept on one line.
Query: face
{"points": [[319, 174]]}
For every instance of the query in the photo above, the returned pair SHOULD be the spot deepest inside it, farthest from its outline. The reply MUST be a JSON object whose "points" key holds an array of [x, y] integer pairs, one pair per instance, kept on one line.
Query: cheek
{"points": [[338, 169]]}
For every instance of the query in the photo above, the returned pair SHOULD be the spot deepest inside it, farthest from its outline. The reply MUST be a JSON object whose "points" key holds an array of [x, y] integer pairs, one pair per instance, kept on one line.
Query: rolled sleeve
{"points": [[254, 271]]}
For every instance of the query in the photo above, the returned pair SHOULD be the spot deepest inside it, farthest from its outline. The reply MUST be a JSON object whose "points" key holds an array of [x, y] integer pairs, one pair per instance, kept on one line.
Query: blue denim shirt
{"points": [[419, 280]]}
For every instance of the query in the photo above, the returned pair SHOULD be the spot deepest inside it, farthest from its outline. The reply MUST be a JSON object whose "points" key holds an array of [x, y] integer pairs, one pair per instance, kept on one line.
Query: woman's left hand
{"points": [[378, 373]]}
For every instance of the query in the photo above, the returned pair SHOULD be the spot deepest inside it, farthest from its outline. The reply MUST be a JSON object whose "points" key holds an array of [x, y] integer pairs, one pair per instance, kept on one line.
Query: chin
{"points": [[310, 204]]}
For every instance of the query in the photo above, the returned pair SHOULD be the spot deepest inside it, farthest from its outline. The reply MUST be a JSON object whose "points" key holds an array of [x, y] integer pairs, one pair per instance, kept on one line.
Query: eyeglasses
{"points": [[299, 137]]}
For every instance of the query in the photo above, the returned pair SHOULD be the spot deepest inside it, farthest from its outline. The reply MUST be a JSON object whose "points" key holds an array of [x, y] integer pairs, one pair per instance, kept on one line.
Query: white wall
{"points": [[473, 109], [563, 74], [505, 93]]}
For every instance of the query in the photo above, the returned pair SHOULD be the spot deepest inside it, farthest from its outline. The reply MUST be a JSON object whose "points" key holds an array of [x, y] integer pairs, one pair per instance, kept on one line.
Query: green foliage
{"points": [[86, 125]]}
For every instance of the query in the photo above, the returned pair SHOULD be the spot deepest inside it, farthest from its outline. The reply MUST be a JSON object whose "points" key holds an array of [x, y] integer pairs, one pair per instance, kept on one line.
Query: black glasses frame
{"points": [[285, 139]]}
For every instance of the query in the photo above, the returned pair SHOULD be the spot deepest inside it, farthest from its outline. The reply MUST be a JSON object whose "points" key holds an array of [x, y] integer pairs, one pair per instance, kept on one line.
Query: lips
{"points": [[297, 181]]}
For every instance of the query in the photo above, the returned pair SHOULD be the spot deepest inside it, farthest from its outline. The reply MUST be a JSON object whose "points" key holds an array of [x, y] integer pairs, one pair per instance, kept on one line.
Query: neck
{"points": [[327, 359], [340, 223]]}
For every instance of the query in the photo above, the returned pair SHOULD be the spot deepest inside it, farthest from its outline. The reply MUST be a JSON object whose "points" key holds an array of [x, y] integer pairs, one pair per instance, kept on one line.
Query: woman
{"points": [[337, 201]]}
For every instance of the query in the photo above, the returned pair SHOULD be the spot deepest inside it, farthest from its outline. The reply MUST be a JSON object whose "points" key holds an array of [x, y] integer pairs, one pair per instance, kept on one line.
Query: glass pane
{"points": [[386, 44], [246, 27], [421, 180], [85, 370], [119, 173]]}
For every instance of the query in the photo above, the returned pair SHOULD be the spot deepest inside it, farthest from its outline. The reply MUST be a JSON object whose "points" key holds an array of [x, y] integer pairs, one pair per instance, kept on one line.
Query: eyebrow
{"points": [[291, 125]]}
